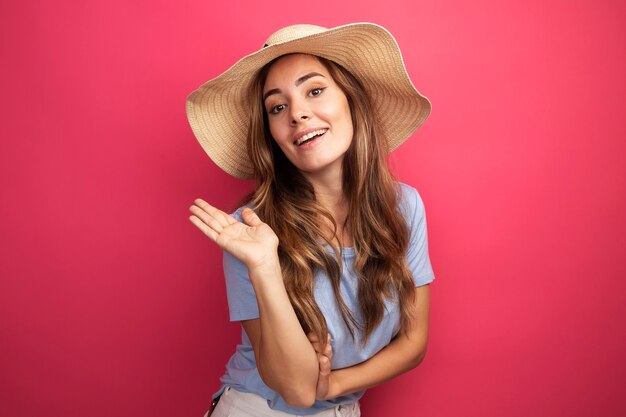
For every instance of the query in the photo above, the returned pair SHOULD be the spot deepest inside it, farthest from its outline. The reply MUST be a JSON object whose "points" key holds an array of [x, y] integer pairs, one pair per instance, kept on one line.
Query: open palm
{"points": [[252, 242]]}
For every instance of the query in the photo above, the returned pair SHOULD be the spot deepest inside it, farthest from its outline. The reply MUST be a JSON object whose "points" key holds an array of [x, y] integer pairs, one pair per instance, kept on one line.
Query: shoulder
{"points": [[409, 201]]}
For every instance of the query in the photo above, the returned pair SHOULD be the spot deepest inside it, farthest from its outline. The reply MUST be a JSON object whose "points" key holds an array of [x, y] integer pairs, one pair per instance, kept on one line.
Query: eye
{"points": [[276, 109], [316, 91]]}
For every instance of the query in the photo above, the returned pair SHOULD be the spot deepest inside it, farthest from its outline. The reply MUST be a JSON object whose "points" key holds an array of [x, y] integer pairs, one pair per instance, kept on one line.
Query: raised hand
{"points": [[324, 356], [254, 243]]}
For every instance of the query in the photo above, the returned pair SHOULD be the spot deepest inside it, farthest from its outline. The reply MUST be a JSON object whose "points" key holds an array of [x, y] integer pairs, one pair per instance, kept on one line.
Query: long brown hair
{"points": [[285, 200]]}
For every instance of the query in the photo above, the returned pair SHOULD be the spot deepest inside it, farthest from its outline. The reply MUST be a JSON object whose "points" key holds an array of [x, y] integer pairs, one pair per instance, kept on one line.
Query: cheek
{"points": [[275, 131], [347, 119], [337, 111], [280, 139]]}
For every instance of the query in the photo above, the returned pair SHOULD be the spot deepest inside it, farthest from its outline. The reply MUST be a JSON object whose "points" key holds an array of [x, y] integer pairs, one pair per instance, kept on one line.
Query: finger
{"points": [[323, 378], [324, 365], [315, 343], [208, 219], [223, 218], [328, 351], [312, 337], [212, 234], [250, 217], [317, 347]]}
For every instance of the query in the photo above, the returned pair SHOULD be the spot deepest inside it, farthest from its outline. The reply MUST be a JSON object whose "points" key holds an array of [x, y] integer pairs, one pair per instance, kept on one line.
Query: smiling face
{"points": [[308, 114]]}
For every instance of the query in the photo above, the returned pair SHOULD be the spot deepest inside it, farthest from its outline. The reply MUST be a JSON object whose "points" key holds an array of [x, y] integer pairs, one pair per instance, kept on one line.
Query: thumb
{"points": [[250, 217], [323, 379], [324, 366]]}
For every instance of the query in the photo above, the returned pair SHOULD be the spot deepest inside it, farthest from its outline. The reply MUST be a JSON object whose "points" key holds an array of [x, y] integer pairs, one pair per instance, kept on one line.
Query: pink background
{"points": [[113, 304]]}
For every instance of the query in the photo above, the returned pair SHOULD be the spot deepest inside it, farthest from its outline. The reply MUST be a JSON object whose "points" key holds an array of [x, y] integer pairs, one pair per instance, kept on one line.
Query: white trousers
{"points": [[234, 403]]}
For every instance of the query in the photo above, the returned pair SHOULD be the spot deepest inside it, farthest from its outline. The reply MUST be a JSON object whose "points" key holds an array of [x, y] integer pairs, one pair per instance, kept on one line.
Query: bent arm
{"points": [[285, 358], [404, 353]]}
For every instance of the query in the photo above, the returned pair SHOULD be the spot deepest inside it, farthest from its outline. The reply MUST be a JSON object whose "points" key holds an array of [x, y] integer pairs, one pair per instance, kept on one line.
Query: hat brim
{"points": [[218, 110]]}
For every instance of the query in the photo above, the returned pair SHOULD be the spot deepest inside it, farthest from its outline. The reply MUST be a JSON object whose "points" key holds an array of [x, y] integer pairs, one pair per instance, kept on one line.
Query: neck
{"points": [[330, 194]]}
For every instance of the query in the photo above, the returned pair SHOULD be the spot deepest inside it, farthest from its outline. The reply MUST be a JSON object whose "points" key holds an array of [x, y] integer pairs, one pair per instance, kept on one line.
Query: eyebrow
{"points": [[297, 83]]}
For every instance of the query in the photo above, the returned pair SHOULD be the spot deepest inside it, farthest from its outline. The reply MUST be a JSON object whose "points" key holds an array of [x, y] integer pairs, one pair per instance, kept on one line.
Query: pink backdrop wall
{"points": [[113, 304]]}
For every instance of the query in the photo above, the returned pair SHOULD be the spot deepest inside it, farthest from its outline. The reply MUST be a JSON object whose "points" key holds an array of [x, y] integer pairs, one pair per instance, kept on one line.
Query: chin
{"points": [[320, 168]]}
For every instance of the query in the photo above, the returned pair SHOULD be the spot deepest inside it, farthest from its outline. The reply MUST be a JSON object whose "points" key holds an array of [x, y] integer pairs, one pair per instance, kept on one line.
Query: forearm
{"points": [[401, 355], [286, 360], [405, 352]]}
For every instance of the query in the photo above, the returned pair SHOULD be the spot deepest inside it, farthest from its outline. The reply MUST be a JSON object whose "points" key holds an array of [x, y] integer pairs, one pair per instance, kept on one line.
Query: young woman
{"points": [[327, 264]]}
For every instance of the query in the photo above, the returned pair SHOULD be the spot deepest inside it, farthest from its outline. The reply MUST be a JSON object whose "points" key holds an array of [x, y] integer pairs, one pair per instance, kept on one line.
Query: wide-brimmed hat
{"points": [[218, 111]]}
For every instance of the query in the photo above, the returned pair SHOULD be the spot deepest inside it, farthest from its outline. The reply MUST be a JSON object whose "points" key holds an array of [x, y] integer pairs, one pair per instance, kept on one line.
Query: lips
{"points": [[304, 137]]}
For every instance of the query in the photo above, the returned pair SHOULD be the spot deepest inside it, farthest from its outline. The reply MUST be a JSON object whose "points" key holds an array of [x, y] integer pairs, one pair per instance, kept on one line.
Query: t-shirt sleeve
{"points": [[242, 303], [417, 252]]}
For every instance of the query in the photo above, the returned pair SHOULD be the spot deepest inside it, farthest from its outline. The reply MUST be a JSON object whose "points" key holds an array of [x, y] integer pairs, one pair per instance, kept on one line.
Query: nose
{"points": [[299, 112]]}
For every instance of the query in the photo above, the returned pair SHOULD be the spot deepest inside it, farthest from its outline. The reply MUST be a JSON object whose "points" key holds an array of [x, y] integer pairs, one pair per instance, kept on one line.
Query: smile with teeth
{"points": [[310, 135]]}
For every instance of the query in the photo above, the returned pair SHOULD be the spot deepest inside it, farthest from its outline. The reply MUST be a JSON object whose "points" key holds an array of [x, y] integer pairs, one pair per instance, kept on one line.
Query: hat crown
{"points": [[292, 32]]}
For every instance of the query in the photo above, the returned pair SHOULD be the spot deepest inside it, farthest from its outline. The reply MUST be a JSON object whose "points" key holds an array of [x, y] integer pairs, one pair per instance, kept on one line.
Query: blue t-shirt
{"points": [[241, 371]]}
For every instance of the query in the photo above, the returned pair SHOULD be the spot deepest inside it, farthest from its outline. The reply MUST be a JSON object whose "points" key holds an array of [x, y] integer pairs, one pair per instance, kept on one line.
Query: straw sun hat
{"points": [[218, 111]]}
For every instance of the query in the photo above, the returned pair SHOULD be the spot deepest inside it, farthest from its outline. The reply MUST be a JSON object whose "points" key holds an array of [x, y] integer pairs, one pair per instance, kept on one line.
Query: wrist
{"points": [[269, 266], [266, 271]]}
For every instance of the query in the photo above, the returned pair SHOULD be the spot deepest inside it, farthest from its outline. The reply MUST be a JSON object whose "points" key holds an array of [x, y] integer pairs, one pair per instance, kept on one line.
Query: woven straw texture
{"points": [[218, 110]]}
